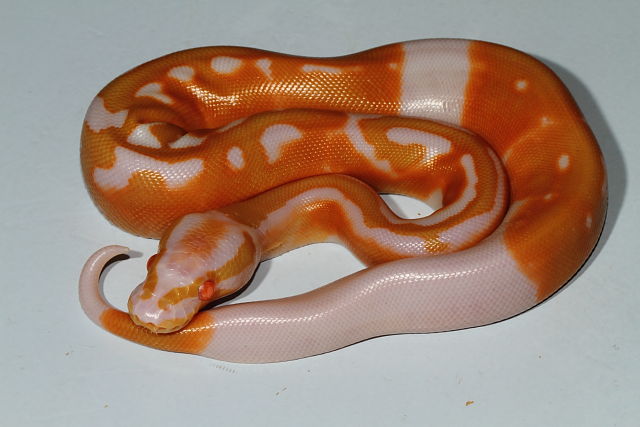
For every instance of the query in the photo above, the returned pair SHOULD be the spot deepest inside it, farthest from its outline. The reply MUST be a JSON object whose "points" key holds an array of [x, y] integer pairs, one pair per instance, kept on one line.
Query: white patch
{"points": [[548, 196], [154, 90], [521, 85], [129, 162], [352, 130], [143, 136], [435, 145], [187, 140], [310, 68], [230, 125], [232, 240], [426, 294], [401, 244], [545, 121], [434, 200], [393, 66], [468, 195], [183, 73], [507, 154], [277, 136], [435, 75], [589, 221], [459, 235], [235, 156], [225, 64], [563, 162], [264, 65], [99, 118]]}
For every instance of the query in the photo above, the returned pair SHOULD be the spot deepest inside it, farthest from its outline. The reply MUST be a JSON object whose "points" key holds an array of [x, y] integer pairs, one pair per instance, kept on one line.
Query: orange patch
{"points": [[240, 261], [193, 338], [177, 294], [541, 124], [210, 100], [166, 133]]}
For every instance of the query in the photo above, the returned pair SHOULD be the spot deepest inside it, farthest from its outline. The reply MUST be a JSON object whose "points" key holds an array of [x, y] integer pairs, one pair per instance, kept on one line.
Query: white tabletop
{"points": [[572, 361]]}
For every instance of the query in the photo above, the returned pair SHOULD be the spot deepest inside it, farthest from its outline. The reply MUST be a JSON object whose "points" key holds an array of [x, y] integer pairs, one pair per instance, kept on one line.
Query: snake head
{"points": [[203, 257]]}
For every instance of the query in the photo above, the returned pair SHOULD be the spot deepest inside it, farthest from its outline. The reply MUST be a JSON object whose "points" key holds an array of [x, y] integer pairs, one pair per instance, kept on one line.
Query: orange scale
{"points": [[533, 218], [166, 133], [242, 260], [193, 338], [527, 135]]}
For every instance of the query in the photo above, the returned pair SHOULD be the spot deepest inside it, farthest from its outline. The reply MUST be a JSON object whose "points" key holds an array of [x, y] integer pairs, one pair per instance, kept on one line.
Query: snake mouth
{"points": [[164, 327]]}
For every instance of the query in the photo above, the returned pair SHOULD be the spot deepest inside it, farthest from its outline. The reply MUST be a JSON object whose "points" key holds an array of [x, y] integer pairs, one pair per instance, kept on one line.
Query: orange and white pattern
{"points": [[233, 155]]}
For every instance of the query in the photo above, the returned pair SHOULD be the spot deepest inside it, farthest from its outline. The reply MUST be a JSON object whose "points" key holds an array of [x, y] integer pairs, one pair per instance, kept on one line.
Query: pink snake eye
{"points": [[206, 291]]}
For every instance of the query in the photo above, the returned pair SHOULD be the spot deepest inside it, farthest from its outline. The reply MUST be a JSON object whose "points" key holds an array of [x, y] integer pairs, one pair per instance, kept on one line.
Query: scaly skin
{"points": [[188, 148]]}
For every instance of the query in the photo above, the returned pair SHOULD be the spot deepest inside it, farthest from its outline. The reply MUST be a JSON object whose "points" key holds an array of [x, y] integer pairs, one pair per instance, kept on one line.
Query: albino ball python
{"points": [[234, 155]]}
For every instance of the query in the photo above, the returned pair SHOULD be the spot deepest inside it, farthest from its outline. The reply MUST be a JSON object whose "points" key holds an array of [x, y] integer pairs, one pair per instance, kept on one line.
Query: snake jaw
{"points": [[151, 314], [166, 327]]}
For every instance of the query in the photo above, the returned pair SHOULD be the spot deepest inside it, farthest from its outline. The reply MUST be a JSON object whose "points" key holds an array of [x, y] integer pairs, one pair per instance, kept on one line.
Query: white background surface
{"points": [[572, 361]]}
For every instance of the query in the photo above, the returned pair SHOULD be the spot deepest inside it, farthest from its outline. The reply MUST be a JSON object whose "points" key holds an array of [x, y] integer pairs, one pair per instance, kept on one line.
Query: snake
{"points": [[233, 155]]}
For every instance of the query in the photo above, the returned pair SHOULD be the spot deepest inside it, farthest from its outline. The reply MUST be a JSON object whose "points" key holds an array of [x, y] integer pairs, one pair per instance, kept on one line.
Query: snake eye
{"points": [[152, 258], [206, 291]]}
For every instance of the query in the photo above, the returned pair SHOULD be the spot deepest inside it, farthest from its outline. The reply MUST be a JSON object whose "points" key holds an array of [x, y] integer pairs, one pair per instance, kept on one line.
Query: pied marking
{"points": [[230, 241], [230, 125], [143, 137], [264, 65], [563, 162], [275, 137], [235, 156], [128, 162], [187, 140], [183, 73], [521, 85], [99, 118], [468, 195], [401, 244], [225, 64], [353, 131], [429, 92], [310, 68], [458, 235], [434, 145], [154, 90]]}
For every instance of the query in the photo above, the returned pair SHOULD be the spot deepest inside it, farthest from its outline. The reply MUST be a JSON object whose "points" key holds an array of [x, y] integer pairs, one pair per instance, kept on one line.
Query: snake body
{"points": [[233, 155]]}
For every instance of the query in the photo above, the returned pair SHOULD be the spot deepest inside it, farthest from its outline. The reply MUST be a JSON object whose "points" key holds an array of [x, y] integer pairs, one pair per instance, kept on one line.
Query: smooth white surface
{"points": [[572, 361]]}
